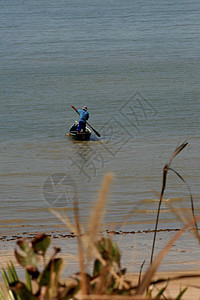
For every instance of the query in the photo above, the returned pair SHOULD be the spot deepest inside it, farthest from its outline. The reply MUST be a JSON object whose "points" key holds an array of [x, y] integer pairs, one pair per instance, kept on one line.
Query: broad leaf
{"points": [[41, 243], [30, 259], [54, 266], [24, 245]]}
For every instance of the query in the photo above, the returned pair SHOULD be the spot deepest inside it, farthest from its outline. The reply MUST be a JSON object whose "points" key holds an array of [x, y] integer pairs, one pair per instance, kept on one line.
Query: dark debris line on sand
{"points": [[72, 235]]}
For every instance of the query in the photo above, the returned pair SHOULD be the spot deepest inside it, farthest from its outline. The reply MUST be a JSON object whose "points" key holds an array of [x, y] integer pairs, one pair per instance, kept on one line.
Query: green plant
{"points": [[107, 278], [45, 283], [29, 257]]}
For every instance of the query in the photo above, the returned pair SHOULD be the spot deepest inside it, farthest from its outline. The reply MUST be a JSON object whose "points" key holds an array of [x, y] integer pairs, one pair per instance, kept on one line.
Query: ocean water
{"points": [[136, 65]]}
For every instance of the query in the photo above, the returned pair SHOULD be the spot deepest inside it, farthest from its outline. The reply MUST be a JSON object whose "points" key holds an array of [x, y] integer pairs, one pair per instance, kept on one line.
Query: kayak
{"points": [[81, 136]]}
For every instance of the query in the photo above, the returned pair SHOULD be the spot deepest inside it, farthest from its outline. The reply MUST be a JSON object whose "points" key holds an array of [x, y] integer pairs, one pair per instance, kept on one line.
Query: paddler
{"points": [[84, 116]]}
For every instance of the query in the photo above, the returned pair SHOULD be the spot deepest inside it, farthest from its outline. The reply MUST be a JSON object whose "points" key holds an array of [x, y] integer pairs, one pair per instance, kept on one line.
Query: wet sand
{"points": [[173, 289], [135, 247], [128, 241]]}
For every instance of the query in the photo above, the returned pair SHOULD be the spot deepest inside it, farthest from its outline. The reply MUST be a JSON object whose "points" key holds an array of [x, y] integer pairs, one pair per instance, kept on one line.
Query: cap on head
{"points": [[84, 107]]}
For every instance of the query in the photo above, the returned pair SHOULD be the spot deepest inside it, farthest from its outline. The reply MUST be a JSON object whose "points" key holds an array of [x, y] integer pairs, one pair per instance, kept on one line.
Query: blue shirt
{"points": [[84, 115]]}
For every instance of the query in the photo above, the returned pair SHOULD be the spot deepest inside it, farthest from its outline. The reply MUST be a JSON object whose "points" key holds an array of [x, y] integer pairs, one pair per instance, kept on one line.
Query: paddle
{"points": [[96, 132]]}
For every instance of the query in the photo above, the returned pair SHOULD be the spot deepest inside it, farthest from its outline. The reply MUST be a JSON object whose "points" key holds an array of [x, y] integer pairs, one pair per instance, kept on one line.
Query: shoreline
{"points": [[68, 245], [56, 235], [135, 247]]}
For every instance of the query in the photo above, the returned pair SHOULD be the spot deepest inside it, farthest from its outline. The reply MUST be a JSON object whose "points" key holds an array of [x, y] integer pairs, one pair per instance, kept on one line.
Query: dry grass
{"points": [[95, 221], [98, 213], [164, 181], [97, 286]]}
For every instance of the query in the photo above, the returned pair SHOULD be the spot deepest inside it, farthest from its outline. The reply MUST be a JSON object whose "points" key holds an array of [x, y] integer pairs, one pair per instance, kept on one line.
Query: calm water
{"points": [[136, 65]]}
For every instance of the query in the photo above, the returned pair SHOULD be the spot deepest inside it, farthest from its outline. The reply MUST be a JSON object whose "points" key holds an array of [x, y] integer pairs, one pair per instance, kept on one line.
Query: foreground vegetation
{"points": [[107, 280]]}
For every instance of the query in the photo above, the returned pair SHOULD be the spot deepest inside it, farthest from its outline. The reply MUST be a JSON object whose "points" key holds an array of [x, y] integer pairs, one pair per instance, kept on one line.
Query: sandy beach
{"points": [[176, 285], [69, 254]]}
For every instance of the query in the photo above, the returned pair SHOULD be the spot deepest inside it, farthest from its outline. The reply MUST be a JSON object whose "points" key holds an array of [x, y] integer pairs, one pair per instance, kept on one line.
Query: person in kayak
{"points": [[84, 116]]}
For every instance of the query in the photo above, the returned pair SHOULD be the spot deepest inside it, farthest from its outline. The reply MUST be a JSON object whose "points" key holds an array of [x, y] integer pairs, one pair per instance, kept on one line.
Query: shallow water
{"points": [[136, 66]]}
